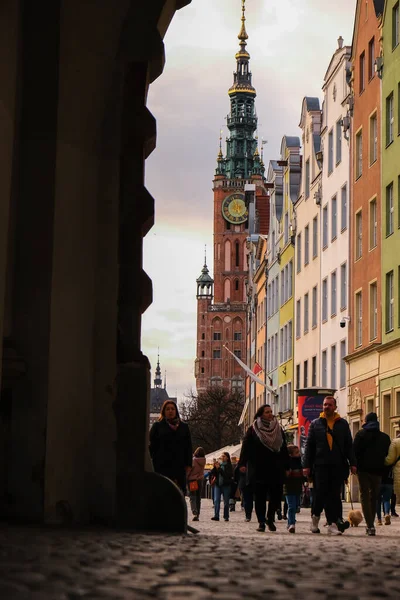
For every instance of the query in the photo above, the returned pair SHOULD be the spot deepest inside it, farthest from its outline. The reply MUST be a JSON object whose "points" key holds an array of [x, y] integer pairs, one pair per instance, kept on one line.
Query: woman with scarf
{"points": [[264, 458], [171, 445]]}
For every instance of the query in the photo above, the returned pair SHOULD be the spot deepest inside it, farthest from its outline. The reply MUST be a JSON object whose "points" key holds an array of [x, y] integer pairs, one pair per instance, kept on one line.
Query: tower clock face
{"points": [[234, 208]]}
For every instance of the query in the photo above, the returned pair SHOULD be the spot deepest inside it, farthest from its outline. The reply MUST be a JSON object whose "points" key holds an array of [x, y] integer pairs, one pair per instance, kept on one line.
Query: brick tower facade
{"points": [[240, 206]]}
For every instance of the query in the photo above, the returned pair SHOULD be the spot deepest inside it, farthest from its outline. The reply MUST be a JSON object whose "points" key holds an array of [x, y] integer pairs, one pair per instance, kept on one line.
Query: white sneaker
{"points": [[333, 529], [314, 524], [292, 529]]}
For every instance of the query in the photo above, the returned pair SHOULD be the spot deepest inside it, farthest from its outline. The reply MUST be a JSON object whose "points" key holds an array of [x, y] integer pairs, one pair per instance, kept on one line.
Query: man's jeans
{"points": [[384, 496], [293, 501], [369, 491], [225, 491], [328, 482]]}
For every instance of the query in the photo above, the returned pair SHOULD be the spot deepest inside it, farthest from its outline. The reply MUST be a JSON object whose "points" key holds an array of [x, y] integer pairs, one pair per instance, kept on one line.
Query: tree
{"points": [[213, 417]]}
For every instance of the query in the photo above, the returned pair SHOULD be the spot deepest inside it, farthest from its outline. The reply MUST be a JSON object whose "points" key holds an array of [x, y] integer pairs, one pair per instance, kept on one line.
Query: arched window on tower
{"points": [[227, 255], [227, 290], [237, 254], [236, 285]]}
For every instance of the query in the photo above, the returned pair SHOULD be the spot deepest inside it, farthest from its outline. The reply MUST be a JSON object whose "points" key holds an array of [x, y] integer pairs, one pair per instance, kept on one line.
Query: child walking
{"points": [[293, 485]]}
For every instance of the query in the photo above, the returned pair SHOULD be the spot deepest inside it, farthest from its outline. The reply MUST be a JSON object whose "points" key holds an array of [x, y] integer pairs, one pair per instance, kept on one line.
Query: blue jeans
{"points": [[293, 501], [225, 491], [384, 496]]}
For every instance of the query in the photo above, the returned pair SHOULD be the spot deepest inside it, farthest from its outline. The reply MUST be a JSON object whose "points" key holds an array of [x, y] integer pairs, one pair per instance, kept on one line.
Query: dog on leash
{"points": [[355, 517]]}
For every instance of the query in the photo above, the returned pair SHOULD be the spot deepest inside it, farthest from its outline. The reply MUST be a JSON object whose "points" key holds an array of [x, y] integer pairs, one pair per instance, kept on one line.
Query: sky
{"points": [[291, 43]]}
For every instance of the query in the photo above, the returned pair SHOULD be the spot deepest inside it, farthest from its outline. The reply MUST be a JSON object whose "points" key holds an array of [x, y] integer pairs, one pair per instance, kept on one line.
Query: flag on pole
{"points": [[250, 373], [257, 368]]}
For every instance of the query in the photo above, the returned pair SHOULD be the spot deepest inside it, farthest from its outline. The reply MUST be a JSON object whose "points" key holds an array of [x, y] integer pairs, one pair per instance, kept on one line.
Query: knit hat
{"points": [[371, 417]]}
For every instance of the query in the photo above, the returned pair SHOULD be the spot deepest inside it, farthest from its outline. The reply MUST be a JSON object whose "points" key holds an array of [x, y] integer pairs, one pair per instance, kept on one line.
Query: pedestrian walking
{"points": [[265, 458], [171, 445], [384, 497], [223, 474], [327, 458], [195, 479], [246, 491], [293, 485], [370, 449], [393, 458]]}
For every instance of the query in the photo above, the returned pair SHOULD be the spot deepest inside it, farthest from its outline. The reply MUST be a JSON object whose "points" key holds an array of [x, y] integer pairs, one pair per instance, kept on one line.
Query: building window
{"points": [[325, 226], [298, 318], [305, 373], [371, 59], [314, 371], [315, 237], [325, 300], [330, 152], [286, 228], [333, 366], [343, 286], [299, 253], [290, 279], [389, 301], [395, 26], [389, 119], [373, 138], [203, 336], [389, 210], [373, 311], [358, 319], [236, 285], [237, 254], [358, 154], [307, 189], [342, 382], [358, 239], [238, 353], [338, 142], [202, 354], [217, 336], [237, 336], [324, 367], [333, 294], [362, 72], [343, 215], [373, 225], [314, 306], [306, 313], [202, 370], [297, 376], [217, 353], [306, 245], [334, 218]]}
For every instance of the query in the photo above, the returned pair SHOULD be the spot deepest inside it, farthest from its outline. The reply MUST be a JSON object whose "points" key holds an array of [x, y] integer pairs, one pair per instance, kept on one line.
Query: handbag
{"points": [[193, 486]]}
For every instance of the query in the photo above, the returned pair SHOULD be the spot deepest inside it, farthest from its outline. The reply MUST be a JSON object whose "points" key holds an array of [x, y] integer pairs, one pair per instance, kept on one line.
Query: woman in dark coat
{"points": [[171, 445], [264, 458]]}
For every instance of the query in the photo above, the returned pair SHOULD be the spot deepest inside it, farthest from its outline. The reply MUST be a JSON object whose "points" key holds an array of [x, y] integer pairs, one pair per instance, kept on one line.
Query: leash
{"points": [[349, 490]]}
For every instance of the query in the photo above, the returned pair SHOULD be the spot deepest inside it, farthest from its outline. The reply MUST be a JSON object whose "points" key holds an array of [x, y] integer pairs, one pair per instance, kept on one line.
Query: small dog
{"points": [[355, 517]]}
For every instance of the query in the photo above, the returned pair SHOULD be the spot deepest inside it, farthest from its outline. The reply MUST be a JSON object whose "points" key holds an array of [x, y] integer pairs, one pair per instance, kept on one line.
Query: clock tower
{"points": [[241, 207]]}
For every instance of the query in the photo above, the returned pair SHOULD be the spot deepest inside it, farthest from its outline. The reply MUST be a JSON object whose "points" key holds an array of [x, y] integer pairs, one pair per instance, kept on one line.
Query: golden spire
{"points": [[243, 33]]}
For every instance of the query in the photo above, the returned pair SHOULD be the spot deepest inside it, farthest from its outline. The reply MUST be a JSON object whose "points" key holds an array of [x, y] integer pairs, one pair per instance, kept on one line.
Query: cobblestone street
{"points": [[226, 561]]}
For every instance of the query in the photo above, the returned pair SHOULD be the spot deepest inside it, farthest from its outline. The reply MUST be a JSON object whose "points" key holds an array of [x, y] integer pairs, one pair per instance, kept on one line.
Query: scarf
{"points": [[173, 423], [330, 423], [269, 435]]}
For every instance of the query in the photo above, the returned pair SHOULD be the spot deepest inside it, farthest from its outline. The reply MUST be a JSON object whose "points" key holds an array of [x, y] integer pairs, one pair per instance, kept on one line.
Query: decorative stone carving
{"points": [[354, 400]]}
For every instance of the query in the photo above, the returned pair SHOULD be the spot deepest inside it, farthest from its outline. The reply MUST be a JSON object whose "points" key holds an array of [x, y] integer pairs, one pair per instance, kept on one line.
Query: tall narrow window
{"points": [[307, 186], [306, 313], [314, 316], [373, 139], [338, 141], [371, 58], [373, 311], [342, 382], [298, 318], [358, 319], [333, 366], [237, 254], [362, 72], [395, 26], [389, 301], [358, 240], [325, 226], [314, 371], [373, 225], [343, 208], [305, 373], [389, 119], [297, 376], [334, 218], [315, 237], [298, 253], [324, 367], [324, 300], [286, 228], [333, 293], [358, 158], [306, 245], [343, 286], [330, 152], [389, 210]]}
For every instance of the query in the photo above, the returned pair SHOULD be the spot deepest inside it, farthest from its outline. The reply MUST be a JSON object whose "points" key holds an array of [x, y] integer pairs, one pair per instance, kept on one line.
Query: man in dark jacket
{"points": [[327, 457], [370, 448]]}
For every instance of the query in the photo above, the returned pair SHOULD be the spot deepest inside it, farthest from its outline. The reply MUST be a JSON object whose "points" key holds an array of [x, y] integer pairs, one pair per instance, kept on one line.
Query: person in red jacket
{"points": [[195, 479]]}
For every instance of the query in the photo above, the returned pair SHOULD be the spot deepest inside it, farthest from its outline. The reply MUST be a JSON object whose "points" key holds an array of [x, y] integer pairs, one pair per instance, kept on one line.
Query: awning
{"points": [[234, 451]]}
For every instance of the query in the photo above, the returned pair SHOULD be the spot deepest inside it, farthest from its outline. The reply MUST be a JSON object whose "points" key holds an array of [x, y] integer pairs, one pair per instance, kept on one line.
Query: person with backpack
{"points": [[370, 448], [223, 473], [195, 479]]}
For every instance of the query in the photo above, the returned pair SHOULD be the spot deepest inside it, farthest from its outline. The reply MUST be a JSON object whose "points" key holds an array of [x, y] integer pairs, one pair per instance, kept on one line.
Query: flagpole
{"points": [[250, 373]]}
